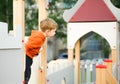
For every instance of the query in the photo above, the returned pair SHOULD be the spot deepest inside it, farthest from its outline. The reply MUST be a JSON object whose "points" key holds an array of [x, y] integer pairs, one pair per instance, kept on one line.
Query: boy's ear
{"points": [[47, 31]]}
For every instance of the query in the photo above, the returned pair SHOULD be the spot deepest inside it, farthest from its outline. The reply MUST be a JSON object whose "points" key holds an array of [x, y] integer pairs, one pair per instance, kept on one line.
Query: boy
{"points": [[35, 41]]}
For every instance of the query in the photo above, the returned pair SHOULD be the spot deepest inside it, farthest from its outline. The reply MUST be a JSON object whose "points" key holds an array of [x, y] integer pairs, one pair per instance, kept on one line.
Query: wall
{"points": [[10, 66], [10, 55]]}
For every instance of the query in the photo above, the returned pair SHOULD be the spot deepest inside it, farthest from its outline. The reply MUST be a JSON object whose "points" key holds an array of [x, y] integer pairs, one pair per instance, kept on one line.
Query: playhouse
{"points": [[99, 16]]}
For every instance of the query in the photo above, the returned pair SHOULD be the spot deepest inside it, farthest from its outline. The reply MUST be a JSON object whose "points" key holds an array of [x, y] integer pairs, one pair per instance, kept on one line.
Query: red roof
{"points": [[93, 10]]}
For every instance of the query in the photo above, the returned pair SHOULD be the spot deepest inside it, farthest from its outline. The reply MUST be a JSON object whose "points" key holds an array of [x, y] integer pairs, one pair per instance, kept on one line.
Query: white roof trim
{"points": [[70, 12], [114, 10]]}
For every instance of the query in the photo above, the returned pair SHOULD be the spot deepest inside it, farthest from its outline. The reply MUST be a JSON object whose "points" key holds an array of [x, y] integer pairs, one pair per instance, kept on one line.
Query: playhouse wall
{"points": [[11, 54], [63, 76], [108, 30], [11, 66]]}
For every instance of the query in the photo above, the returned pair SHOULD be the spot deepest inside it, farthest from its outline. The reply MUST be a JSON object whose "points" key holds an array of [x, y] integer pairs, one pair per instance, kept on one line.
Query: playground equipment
{"points": [[10, 55], [72, 71], [60, 72], [11, 50], [87, 16]]}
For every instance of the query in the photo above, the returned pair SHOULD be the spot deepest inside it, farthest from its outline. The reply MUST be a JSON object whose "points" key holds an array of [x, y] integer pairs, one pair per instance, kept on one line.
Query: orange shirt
{"points": [[34, 43]]}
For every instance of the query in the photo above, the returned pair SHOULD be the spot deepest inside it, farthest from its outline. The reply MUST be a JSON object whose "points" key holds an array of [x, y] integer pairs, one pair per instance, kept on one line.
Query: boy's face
{"points": [[50, 33]]}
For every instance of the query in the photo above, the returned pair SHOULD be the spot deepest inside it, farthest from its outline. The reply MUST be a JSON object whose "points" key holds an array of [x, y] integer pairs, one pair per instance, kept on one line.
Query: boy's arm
{"points": [[40, 49]]}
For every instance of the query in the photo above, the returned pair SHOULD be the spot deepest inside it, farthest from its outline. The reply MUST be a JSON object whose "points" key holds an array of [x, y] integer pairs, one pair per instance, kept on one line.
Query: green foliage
{"points": [[56, 10], [116, 3], [31, 17], [104, 44], [6, 12], [3, 11]]}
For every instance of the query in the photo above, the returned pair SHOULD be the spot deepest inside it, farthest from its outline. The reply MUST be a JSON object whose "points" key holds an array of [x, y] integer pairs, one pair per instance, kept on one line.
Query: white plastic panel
{"points": [[7, 40], [108, 30]]}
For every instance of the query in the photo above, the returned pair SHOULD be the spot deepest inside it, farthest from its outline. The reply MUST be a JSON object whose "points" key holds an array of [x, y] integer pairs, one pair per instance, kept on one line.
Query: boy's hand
{"points": [[41, 49], [36, 54]]}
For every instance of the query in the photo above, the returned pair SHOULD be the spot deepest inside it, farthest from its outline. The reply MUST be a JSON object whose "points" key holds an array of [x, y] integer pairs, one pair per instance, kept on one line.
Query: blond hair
{"points": [[48, 23]]}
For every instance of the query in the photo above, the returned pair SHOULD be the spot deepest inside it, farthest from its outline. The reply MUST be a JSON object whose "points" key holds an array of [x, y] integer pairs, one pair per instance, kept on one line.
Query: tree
{"points": [[31, 16], [56, 10], [116, 3], [6, 12]]}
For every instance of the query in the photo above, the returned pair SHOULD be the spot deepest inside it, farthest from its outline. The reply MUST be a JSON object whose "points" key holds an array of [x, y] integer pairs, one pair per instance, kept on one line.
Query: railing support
{"points": [[101, 74]]}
